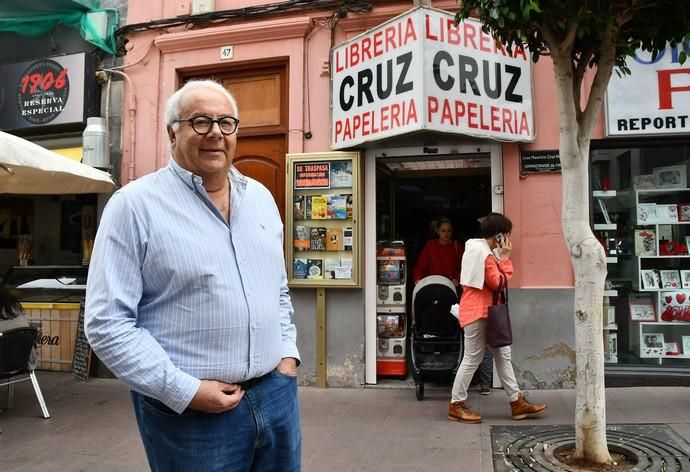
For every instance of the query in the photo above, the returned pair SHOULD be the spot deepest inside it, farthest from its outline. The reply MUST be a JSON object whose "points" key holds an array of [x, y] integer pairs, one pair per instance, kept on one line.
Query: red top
{"points": [[474, 303], [439, 259]]}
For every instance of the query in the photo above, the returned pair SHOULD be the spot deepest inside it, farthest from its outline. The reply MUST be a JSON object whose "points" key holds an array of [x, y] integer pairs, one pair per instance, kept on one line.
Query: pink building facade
{"points": [[298, 42]]}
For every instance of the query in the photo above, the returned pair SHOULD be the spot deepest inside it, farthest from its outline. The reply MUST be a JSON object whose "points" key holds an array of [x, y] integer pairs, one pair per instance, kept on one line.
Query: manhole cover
{"points": [[657, 447]]}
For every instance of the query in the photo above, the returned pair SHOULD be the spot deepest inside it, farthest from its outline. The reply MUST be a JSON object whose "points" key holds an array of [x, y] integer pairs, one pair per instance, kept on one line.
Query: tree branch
{"points": [[605, 65]]}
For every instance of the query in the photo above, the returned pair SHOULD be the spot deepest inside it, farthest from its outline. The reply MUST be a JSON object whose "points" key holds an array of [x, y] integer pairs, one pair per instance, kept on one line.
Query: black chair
{"points": [[15, 348]]}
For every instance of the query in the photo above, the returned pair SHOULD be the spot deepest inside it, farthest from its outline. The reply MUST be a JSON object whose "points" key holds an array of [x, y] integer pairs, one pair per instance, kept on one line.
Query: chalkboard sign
{"points": [[81, 361], [535, 162]]}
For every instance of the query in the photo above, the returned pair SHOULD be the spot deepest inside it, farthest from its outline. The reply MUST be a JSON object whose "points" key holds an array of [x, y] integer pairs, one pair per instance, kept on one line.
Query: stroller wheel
{"points": [[419, 391]]}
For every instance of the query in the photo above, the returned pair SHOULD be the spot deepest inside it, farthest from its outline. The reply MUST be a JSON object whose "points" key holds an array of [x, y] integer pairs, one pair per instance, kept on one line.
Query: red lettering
{"points": [[365, 124], [378, 43], [459, 111], [431, 105], [338, 66], [485, 42], [469, 32], [507, 120], [354, 55], [665, 88], [390, 38], [384, 119], [427, 22], [395, 115], [495, 117], [524, 126], [410, 32], [356, 124], [412, 112], [472, 115], [445, 114], [453, 32], [366, 44]]}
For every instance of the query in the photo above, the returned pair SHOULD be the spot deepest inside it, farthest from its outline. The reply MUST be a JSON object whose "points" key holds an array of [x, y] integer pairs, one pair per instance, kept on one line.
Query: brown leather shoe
{"points": [[522, 409], [460, 412]]}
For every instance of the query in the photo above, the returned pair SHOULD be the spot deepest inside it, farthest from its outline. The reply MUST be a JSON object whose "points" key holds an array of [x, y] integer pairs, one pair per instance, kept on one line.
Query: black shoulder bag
{"points": [[498, 330]]}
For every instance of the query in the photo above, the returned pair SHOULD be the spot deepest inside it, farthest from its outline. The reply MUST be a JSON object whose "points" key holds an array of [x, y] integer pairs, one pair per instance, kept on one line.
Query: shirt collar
{"points": [[193, 181]]}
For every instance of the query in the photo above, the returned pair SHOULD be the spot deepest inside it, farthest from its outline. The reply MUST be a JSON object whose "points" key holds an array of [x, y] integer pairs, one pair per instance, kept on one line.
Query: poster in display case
{"points": [[322, 227]]}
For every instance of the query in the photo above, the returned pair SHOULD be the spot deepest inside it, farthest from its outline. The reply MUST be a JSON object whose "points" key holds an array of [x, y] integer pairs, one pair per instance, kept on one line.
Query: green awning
{"points": [[34, 18]]}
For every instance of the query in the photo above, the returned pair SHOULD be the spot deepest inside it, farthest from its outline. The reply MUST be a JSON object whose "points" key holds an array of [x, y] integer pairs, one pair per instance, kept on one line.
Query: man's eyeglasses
{"points": [[204, 124]]}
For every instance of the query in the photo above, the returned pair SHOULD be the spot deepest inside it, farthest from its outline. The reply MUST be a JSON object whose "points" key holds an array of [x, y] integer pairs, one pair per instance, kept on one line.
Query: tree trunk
{"points": [[589, 265]]}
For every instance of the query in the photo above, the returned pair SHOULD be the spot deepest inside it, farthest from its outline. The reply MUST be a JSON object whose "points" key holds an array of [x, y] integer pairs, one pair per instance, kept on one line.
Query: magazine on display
{"points": [[314, 269], [317, 238], [299, 207], [300, 269], [302, 238], [334, 239], [337, 207], [319, 207]]}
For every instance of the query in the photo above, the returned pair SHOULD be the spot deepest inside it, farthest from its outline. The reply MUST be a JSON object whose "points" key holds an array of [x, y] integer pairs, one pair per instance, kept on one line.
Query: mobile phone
{"points": [[500, 239]]}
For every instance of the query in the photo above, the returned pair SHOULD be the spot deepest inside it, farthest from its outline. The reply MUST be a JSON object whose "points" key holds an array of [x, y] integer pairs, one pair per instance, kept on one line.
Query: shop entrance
{"points": [[412, 194]]}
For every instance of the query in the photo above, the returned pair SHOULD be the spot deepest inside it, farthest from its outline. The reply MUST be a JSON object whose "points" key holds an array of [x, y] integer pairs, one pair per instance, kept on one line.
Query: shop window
{"points": [[641, 216]]}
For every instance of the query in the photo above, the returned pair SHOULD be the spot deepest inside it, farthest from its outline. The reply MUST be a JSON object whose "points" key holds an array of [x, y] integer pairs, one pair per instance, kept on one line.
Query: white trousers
{"points": [[475, 344]]}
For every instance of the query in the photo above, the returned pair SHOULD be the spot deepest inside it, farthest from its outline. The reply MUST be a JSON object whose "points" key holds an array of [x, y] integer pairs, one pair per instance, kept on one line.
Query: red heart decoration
{"points": [[686, 314], [678, 312], [667, 314], [669, 298], [680, 297]]}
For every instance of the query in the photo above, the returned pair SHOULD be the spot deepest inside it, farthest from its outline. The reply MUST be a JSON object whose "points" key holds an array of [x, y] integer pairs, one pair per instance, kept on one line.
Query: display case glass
{"points": [[641, 215], [322, 230]]}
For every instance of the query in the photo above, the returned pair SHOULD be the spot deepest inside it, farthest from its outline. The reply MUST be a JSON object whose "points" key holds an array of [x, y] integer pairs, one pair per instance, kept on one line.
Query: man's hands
{"points": [[216, 397], [288, 366]]}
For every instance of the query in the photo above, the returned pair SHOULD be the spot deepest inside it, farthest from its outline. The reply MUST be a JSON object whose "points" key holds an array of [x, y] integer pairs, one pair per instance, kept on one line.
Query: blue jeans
{"points": [[261, 434]]}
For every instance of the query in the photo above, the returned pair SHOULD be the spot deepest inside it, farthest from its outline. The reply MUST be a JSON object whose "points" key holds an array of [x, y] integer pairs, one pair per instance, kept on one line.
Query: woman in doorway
{"points": [[440, 256], [486, 263]]}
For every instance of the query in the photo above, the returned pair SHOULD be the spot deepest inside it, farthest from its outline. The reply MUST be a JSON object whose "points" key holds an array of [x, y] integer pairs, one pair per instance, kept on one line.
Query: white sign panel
{"points": [[420, 71], [653, 100]]}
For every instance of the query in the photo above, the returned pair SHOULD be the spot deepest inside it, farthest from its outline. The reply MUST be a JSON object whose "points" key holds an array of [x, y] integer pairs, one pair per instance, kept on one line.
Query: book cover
{"points": [[337, 207], [329, 268], [307, 207], [345, 269], [319, 207], [299, 207], [348, 205], [314, 269], [317, 238], [341, 174], [302, 240], [299, 270], [334, 239], [347, 238]]}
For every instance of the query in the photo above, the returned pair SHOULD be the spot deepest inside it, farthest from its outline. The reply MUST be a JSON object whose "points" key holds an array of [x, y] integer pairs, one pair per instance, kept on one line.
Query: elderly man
{"points": [[187, 301]]}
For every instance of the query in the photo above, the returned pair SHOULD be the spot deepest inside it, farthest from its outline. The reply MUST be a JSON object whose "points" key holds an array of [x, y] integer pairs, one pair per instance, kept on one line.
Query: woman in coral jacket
{"points": [[486, 262], [440, 256]]}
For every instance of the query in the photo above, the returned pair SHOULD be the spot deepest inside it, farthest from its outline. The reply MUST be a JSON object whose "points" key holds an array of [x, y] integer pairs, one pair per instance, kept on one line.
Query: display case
{"points": [[323, 223], [662, 237]]}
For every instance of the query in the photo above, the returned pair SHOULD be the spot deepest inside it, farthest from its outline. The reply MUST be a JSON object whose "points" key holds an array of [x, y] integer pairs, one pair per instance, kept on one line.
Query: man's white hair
{"points": [[172, 106]]}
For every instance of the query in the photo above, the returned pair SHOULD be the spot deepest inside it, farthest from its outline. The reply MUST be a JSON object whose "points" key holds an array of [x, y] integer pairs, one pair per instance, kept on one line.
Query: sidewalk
{"points": [[92, 426]]}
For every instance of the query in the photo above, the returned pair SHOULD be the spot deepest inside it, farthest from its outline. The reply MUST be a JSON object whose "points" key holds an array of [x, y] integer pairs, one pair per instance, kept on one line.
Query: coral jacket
{"points": [[474, 303], [439, 259]]}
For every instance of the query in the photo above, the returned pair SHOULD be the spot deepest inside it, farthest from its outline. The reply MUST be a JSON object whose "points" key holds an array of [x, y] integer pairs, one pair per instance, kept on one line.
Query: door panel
{"points": [[263, 158]]}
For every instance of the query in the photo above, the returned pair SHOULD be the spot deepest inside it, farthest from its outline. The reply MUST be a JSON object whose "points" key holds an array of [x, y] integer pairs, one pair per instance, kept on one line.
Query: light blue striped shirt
{"points": [[176, 294]]}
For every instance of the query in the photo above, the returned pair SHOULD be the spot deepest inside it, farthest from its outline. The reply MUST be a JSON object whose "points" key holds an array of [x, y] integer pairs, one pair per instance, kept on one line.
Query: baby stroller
{"points": [[436, 340]]}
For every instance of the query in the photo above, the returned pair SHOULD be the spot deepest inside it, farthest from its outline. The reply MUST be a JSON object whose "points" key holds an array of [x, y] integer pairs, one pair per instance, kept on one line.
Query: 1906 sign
{"points": [[42, 92]]}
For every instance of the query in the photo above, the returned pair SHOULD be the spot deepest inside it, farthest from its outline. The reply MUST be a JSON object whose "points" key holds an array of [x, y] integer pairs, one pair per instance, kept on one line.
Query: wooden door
{"points": [[263, 158]]}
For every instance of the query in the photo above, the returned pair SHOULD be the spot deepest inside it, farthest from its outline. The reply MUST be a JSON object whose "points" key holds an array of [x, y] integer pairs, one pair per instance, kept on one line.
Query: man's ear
{"points": [[171, 134]]}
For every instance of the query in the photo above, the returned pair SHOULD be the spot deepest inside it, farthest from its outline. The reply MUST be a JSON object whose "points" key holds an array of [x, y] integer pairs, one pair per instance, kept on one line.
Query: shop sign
{"points": [[44, 92], [313, 175], [535, 162], [654, 99], [419, 71]]}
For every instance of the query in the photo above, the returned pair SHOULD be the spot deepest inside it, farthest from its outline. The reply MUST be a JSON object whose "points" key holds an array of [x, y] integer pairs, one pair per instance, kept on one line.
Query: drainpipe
{"points": [[131, 112]]}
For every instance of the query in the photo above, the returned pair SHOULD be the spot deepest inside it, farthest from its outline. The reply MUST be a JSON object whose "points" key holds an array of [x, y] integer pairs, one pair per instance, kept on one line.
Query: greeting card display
{"points": [[671, 348], [685, 278], [684, 212], [670, 176], [652, 345], [646, 213], [670, 279], [650, 279], [642, 310], [645, 242], [674, 306], [667, 213]]}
